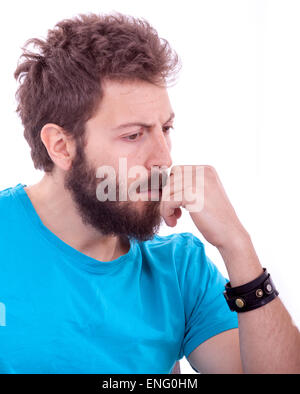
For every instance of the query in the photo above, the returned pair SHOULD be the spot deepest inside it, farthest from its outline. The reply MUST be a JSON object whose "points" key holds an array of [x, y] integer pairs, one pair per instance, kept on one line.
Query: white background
{"points": [[236, 103]]}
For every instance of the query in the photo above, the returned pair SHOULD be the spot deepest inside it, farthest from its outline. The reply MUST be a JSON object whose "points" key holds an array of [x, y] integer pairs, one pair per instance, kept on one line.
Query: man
{"points": [[87, 283]]}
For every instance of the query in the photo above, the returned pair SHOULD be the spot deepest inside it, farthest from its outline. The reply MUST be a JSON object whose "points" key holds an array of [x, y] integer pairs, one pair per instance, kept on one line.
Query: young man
{"points": [[87, 285]]}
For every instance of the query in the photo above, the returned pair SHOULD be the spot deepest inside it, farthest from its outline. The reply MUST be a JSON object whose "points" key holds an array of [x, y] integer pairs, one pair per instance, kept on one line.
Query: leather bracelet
{"points": [[251, 295]]}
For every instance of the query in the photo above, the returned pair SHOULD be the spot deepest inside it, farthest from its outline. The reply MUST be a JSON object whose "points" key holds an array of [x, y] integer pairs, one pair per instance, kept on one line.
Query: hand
{"points": [[199, 190]]}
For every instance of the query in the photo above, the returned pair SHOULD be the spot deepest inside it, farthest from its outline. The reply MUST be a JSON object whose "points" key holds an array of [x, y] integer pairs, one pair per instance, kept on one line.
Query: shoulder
{"points": [[179, 239], [179, 243], [5, 192], [8, 202], [6, 197], [185, 252], [179, 250]]}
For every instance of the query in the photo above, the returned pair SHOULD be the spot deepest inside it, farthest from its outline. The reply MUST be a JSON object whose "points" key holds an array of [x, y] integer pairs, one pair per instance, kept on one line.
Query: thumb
{"points": [[171, 215]]}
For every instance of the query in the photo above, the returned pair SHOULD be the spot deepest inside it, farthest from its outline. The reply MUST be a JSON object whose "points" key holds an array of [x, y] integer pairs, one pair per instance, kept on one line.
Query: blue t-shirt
{"points": [[62, 311]]}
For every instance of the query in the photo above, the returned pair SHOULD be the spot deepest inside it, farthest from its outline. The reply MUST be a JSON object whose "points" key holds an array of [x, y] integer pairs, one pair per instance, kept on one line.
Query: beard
{"points": [[124, 219]]}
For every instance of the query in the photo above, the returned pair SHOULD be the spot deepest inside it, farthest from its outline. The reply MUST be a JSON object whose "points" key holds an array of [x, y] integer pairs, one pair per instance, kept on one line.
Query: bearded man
{"points": [[87, 285]]}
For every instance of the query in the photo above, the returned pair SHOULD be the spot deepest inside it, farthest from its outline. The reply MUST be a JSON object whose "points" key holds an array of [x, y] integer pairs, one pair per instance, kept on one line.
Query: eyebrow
{"points": [[146, 125]]}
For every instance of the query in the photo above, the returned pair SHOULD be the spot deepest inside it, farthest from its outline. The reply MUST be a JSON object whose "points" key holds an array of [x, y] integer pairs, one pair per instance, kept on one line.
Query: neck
{"points": [[57, 211]]}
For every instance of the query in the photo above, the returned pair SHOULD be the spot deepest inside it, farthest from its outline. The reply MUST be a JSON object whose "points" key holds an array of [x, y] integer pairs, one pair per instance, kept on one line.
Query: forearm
{"points": [[269, 341]]}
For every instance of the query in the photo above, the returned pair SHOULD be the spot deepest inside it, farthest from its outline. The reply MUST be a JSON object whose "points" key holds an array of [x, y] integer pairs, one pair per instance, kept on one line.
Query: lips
{"points": [[161, 181], [149, 189]]}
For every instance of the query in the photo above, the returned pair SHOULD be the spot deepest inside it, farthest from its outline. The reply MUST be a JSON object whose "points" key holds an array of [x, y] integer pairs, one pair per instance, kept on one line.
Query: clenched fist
{"points": [[198, 189]]}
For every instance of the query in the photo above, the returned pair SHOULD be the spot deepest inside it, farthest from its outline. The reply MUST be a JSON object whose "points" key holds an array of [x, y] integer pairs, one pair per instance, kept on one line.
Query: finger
{"points": [[171, 189], [177, 213], [170, 211], [171, 221], [167, 208]]}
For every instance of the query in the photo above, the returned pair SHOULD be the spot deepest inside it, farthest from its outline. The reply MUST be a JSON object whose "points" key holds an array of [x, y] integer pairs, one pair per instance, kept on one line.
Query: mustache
{"points": [[156, 182]]}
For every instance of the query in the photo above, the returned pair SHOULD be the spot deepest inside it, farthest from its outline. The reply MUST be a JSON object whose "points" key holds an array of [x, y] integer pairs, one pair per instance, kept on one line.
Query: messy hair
{"points": [[62, 82]]}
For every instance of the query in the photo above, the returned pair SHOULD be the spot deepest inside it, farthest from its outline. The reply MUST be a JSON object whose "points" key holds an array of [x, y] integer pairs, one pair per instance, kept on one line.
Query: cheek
{"points": [[131, 170], [99, 152], [169, 143]]}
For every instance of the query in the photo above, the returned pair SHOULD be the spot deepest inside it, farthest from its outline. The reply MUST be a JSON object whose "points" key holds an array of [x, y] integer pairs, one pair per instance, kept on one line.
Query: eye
{"points": [[132, 137], [167, 129]]}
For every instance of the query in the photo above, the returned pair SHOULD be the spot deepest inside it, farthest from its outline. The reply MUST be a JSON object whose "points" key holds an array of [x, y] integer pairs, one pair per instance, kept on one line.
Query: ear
{"points": [[60, 147]]}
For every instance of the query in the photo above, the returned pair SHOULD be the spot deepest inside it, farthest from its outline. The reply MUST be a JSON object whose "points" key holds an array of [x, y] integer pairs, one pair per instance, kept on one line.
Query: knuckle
{"points": [[210, 170], [176, 168]]}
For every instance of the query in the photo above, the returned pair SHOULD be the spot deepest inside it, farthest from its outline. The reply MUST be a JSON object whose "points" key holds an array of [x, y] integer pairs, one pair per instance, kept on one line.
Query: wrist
{"points": [[241, 260], [236, 242]]}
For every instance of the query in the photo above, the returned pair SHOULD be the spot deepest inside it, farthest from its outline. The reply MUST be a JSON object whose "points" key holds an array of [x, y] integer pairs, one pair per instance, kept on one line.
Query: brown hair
{"points": [[62, 83]]}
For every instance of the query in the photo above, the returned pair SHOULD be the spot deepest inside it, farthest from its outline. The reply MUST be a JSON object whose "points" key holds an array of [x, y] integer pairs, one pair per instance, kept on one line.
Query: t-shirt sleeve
{"points": [[206, 311]]}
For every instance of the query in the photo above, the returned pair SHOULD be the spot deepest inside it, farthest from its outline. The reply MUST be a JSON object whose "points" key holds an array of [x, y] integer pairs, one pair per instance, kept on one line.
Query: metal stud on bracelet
{"points": [[239, 302], [259, 293]]}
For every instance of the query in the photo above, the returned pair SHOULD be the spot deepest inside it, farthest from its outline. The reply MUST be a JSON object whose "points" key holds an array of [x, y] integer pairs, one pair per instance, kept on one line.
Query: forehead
{"points": [[133, 101]]}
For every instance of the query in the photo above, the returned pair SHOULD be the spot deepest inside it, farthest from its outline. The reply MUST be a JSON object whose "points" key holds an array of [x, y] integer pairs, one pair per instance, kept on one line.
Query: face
{"points": [[133, 125]]}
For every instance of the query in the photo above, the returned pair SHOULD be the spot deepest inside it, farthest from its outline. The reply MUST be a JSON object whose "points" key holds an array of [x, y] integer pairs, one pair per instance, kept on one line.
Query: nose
{"points": [[159, 150]]}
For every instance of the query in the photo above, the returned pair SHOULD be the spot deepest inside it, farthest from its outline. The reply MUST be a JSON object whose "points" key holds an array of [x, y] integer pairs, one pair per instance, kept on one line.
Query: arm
{"points": [[176, 368], [219, 354], [269, 341]]}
